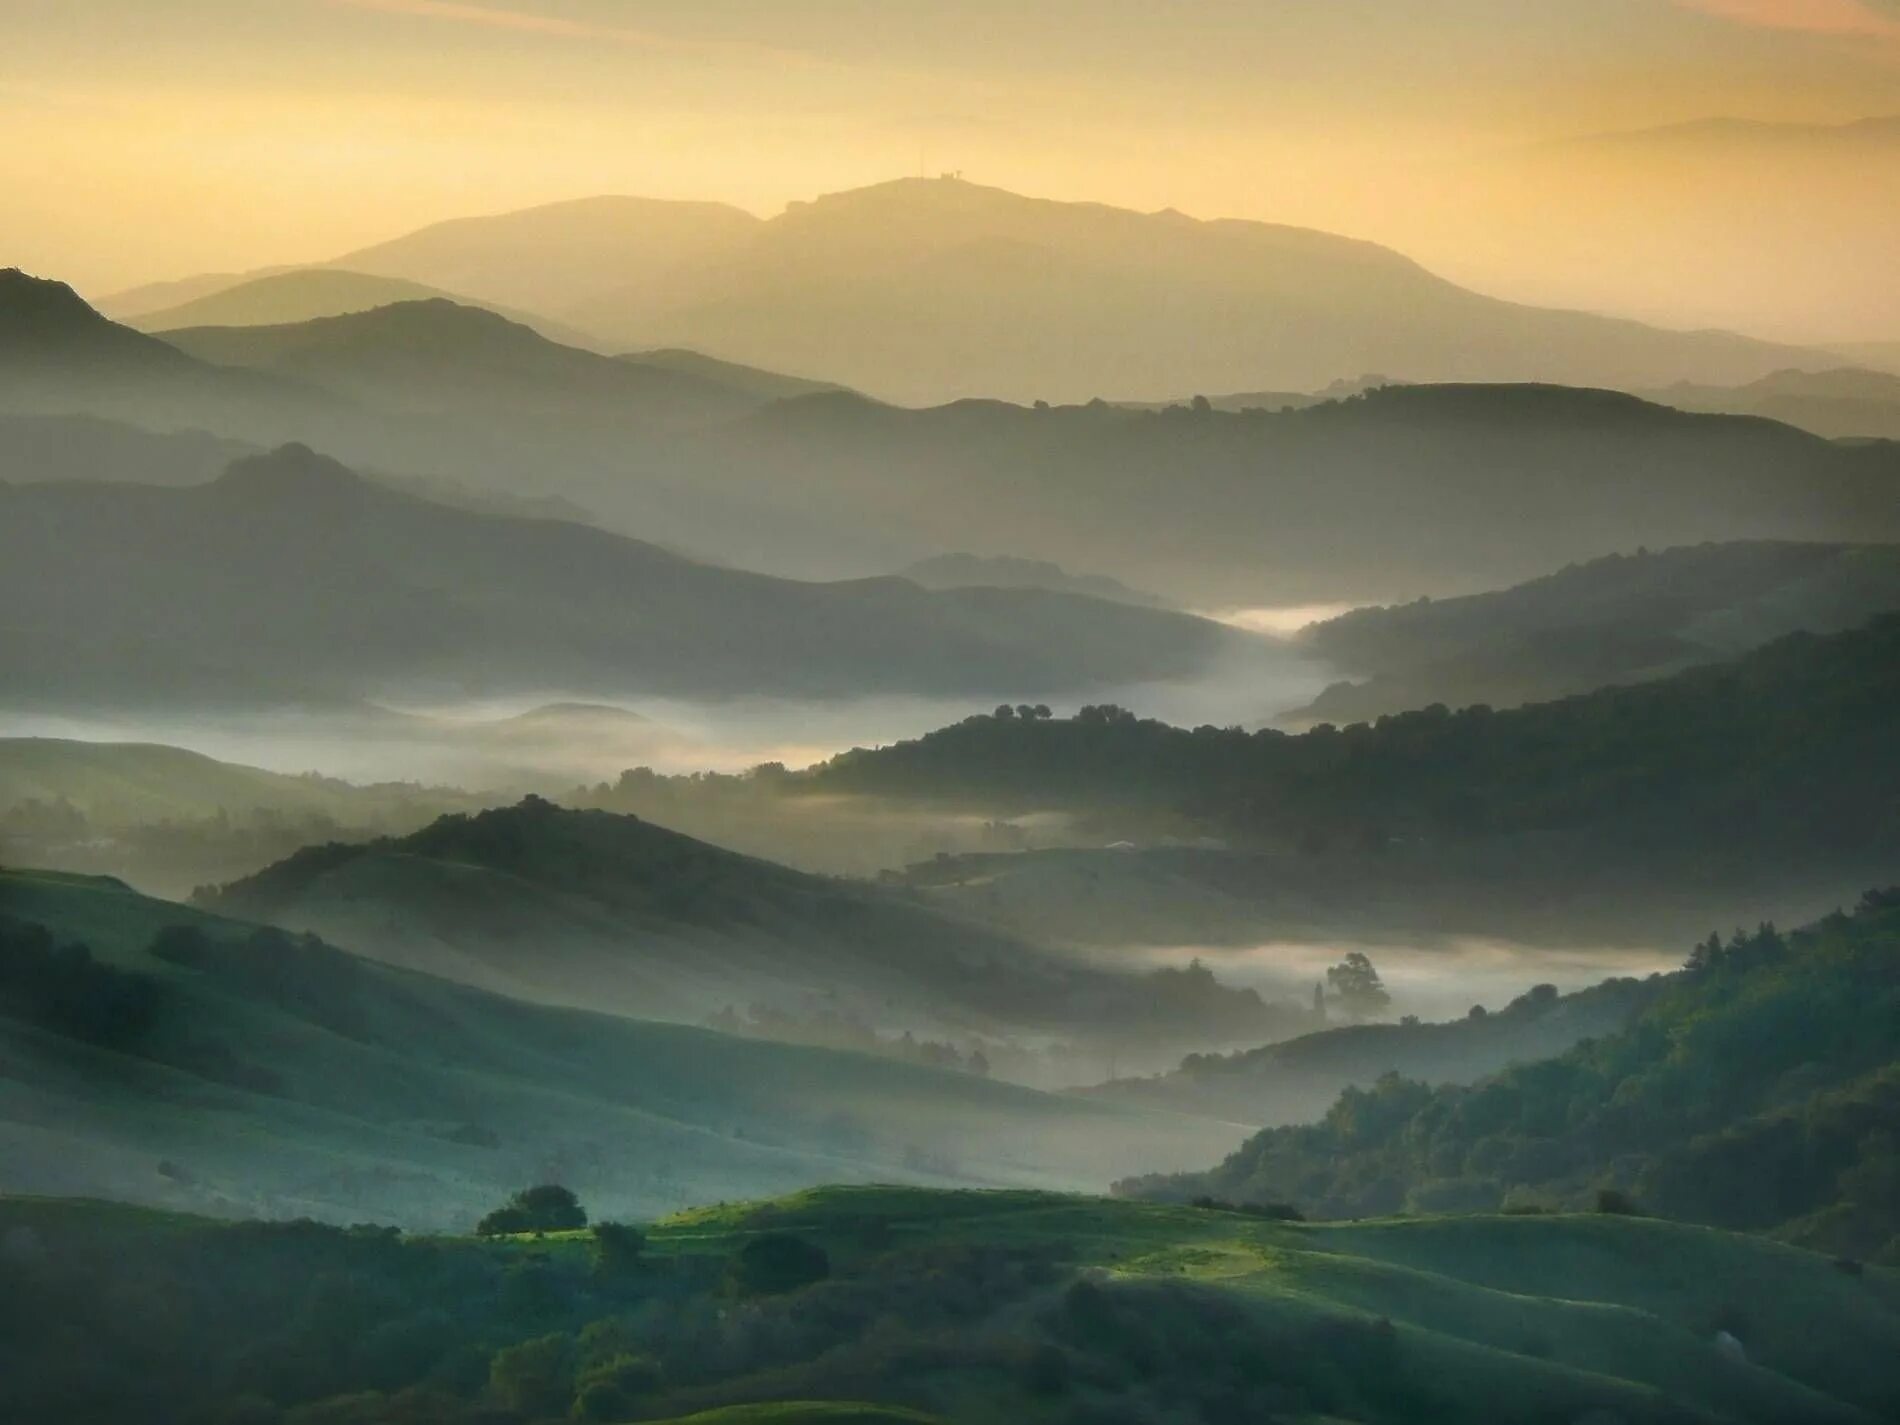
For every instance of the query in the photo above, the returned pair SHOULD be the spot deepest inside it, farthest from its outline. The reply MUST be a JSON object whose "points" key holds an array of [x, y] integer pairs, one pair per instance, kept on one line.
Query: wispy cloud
{"points": [[1850, 18], [530, 22]]}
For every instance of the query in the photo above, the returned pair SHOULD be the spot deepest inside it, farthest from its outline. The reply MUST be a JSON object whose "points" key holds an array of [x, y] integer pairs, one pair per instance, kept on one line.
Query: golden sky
{"points": [[148, 139]]}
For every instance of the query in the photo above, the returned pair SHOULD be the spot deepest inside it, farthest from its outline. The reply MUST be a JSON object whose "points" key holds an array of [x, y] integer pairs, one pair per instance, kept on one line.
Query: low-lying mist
{"points": [[553, 737]]}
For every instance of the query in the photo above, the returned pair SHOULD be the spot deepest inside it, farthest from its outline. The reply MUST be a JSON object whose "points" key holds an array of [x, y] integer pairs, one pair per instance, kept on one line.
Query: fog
{"points": [[1435, 979], [557, 737]]}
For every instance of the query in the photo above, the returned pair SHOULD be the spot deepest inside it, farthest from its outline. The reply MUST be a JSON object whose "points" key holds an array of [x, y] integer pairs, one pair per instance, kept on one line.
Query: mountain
{"points": [[562, 258], [926, 290], [195, 1062], [764, 385], [900, 1305], [436, 356], [306, 294], [290, 578], [1755, 1093], [1620, 619], [591, 909], [1401, 490], [1845, 403], [1002, 571], [60, 357], [1881, 355], [36, 448], [1206, 508]]}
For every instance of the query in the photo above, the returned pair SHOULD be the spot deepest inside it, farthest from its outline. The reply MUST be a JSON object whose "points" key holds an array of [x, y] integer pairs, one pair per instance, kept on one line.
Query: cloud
{"points": [[528, 22], [1851, 18]]}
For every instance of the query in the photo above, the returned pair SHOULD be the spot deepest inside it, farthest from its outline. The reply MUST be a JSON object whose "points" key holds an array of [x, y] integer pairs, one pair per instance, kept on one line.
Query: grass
{"points": [[395, 1096], [1517, 1311]]}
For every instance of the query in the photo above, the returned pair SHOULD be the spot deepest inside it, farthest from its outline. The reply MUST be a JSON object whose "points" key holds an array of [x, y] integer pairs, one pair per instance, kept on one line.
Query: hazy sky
{"points": [[154, 138]]}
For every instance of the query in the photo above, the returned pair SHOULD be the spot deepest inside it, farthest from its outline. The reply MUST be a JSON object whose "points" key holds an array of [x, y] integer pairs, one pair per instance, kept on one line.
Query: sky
{"points": [[150, 139]]}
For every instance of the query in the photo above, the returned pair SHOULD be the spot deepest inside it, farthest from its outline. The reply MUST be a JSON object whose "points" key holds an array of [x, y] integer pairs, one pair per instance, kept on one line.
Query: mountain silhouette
{"points": [[305, 294], [558, 257], [291, 576]]}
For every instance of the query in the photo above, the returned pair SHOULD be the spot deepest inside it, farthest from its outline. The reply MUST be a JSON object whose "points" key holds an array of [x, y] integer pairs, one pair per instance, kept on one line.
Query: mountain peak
{"points": [[39, 307], [292, 471]]}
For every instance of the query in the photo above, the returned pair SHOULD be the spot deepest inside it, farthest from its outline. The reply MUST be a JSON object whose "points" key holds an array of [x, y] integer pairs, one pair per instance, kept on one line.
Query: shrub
{"points": [[777, 1262]]}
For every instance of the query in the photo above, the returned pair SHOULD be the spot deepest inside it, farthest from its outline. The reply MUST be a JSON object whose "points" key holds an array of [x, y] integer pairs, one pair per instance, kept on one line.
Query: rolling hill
{"points": [[1842, 404], [223, 1067], [1206, 508], [290, 578], [1621, 619], [919, 1306], [1401, 490], [436, 356], [587, 908], [1755, 1091], [1298, 1080]]}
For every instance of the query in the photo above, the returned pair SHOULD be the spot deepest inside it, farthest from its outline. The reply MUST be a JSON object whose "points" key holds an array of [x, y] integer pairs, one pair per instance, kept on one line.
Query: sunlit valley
{"points": [[662, 759]]}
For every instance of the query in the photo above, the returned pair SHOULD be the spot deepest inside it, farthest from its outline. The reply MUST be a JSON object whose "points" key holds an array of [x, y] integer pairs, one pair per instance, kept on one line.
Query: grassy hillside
{"points": [[1758, 1091], [592, 909], [228, 1068], [1622, 619], [1296, 1081], [964, 1307]]}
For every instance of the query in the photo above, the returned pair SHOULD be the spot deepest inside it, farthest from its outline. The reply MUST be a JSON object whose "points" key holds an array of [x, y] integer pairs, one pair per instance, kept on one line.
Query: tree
{"points": [[547, 1208], [534, 1377], [1358, 988]]}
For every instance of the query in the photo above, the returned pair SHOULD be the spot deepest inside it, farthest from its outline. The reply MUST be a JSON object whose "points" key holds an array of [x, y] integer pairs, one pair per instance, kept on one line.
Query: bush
{"points": [[534, 1377], [777, 1262], [1617, 1203]]}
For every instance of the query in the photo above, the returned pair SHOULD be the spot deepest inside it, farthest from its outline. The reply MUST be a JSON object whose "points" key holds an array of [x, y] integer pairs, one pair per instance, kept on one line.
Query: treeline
{"points": [[1790, 747], [1760, 1090]]}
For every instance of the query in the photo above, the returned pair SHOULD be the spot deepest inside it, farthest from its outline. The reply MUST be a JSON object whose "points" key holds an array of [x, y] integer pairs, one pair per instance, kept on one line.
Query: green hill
{"points": [[1297, 1080], [592, 909], [1622, 619], [1757, 1091], [230, 1068], [959, 1307]]}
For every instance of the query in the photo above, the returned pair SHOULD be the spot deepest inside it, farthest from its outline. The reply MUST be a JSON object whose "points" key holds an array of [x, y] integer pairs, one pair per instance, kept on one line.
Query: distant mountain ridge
{"points": [[1620, 619], [213, 587], [926, 290]]}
